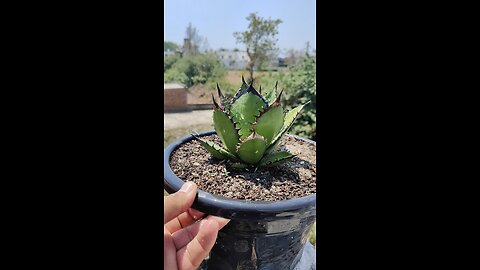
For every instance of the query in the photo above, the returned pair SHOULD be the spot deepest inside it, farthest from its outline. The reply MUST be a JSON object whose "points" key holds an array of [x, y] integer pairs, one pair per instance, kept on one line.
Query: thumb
{"points": [[179, 202]]}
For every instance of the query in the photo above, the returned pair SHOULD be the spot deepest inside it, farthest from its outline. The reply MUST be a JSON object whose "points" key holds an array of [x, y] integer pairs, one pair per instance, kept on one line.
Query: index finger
{"points": [[179, 202]]}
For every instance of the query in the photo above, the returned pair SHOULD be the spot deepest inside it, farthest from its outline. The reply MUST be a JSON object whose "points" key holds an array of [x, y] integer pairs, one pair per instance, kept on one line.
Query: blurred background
{"points": [[218, 41]]}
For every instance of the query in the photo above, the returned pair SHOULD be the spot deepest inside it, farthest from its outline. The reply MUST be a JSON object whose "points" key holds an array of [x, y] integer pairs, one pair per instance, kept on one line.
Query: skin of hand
{"points": [[188, 235]]}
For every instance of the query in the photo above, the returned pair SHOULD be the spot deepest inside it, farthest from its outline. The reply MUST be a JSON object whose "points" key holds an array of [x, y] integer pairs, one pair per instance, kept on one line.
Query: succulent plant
{"points": [[250, 127]]}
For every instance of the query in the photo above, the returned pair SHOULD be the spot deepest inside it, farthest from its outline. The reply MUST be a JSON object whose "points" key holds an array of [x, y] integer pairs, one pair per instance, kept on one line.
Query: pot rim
{"points": [[172, 183]]}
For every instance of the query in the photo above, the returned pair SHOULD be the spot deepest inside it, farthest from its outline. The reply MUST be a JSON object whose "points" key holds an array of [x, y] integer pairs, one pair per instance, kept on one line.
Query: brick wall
{"points": [[175, 100]]}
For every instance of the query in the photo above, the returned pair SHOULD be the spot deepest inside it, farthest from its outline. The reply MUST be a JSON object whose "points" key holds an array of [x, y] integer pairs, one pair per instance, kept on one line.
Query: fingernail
{"points": [[187, 187]]}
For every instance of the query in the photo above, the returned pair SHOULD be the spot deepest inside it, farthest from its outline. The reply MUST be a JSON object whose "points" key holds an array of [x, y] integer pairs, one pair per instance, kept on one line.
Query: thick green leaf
{"points": [[271, 96], [214, 149], [287, 124], [225, 130], [223, 100], [278, 162], [251, 150], [242, 90], [215, 104], [275, 158], [245, 111], [270, 123], [244, 132]]}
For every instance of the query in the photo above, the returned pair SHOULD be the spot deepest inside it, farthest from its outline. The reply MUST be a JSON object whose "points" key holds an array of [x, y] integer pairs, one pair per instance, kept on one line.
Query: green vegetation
{"points": [[175, 134], [300, 86], [193, 69], [299, 83], [250, 127], [259, 40], [169, 46], [169, 61]]}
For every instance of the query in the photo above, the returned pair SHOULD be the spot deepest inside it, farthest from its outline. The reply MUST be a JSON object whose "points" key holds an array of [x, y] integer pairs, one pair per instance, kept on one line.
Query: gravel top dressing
{"points": [[292, 179]]}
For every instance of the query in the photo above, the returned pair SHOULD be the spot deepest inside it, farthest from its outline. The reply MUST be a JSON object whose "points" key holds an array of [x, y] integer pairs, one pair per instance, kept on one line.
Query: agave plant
{"points": [[250, 127]]}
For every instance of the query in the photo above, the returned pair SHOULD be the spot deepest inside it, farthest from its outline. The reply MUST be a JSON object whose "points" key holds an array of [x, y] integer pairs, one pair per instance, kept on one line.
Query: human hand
{"points": [[187, 239]]}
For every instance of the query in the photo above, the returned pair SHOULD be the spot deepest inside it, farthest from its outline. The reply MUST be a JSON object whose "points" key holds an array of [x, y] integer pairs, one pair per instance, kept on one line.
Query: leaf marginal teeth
{"points": [[257, 123]]}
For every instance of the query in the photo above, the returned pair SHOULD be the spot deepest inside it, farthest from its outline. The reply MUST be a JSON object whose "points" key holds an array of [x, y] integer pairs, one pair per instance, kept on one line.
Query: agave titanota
{"points": [[250, 127]]}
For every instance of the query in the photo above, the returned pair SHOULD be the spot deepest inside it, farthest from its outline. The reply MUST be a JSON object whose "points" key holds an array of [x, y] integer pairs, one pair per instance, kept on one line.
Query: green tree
{"points": [[259, 40], [169, 46]]}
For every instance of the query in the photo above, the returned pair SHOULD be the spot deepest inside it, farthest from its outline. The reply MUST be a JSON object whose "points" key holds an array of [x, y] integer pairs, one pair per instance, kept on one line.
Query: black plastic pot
{"points": [[260, 235]]}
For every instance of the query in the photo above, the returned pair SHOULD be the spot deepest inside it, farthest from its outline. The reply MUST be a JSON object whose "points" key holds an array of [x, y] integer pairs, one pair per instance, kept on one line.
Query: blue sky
{"points": [[218, 19]]}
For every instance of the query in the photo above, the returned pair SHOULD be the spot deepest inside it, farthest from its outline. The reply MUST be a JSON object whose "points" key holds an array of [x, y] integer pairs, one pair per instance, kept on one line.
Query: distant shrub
{"points": [[267, 80], [195, 69], [300, 86], [169, 61]]}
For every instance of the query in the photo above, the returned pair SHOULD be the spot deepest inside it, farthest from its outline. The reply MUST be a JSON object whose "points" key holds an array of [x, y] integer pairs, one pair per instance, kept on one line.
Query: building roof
{"points": [[173, 86]]}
